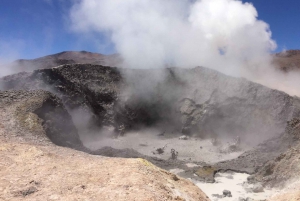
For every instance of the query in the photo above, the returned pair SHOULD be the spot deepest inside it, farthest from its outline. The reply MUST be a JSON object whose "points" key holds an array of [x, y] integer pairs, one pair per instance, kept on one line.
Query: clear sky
{"points": [[34, 28]]}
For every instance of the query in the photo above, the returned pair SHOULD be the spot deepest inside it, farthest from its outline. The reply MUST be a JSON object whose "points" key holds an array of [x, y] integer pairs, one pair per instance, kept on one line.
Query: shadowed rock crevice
{"points": [[58, 124], [36, 116]]}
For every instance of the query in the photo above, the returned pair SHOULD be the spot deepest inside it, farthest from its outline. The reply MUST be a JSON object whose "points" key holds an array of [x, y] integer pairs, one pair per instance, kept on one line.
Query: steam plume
{"points": [[220, 34]]}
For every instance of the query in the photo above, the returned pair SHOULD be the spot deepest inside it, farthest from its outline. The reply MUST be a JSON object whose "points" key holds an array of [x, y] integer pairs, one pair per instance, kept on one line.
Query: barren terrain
{"points": [[32, 172], [220, 132]]}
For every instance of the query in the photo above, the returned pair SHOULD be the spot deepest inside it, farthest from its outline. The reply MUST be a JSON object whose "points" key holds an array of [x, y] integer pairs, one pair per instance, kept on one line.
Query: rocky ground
{"points": [[33, 172]]}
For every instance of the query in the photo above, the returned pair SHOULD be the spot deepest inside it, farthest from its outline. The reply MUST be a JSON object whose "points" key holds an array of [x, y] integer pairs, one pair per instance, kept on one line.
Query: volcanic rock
{"points": [[85, 88], [227, 193], [183, 137], [258, 188]]}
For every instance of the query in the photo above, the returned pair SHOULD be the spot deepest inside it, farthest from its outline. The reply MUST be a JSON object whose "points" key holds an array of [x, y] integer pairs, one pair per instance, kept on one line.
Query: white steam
{"points": [[220, 34], [9, 50]]}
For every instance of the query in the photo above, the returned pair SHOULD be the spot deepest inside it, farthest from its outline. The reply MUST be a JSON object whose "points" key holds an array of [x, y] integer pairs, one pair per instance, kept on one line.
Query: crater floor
{"points": [[147, 142]]}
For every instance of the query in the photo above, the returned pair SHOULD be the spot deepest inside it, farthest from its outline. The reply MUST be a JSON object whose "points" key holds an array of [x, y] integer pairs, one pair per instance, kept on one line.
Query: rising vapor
{"points": [[224, 35], [220, 34]]}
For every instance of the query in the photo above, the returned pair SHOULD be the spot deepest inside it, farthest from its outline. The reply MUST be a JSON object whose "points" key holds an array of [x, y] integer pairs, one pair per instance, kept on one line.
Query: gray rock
{"points": [[258, 188], [227, 193], [218, 196], [245, 199], [183, 137]]}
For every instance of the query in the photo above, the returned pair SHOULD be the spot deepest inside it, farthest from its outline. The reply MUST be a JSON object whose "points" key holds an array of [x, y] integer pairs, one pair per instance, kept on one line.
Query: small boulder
{"points": [[246, 199], [183, 137], [227, 193], [218, 196], [258, 188]]}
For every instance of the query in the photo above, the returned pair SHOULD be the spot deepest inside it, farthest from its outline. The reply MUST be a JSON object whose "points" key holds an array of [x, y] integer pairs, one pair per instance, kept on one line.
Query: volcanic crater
{"points": [[197, 123]]}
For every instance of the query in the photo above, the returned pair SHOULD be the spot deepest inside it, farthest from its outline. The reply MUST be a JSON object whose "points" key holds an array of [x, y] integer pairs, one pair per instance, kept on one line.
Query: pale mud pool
{"points": [[193, 149]]}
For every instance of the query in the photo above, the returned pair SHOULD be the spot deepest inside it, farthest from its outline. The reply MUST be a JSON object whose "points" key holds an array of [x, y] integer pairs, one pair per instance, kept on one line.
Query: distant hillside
{"points": [[67, 57], [288, 60]]}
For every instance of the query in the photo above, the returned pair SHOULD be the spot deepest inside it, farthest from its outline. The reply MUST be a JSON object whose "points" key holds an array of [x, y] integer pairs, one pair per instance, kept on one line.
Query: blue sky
{"points": [[34, 28]]}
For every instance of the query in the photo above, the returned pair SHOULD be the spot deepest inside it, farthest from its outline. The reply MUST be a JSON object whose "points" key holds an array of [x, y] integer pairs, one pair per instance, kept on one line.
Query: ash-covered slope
{"points": [[195, 101], [238, 106]]}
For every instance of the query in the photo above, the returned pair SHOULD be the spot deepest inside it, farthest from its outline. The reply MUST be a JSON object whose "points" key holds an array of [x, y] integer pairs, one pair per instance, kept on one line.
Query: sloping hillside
{"points": [[67, 57]]}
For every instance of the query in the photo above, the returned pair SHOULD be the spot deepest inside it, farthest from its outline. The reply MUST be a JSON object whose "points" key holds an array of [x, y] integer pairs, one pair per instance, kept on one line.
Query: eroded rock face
{"points": [[35, 116], [195, 101]]}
